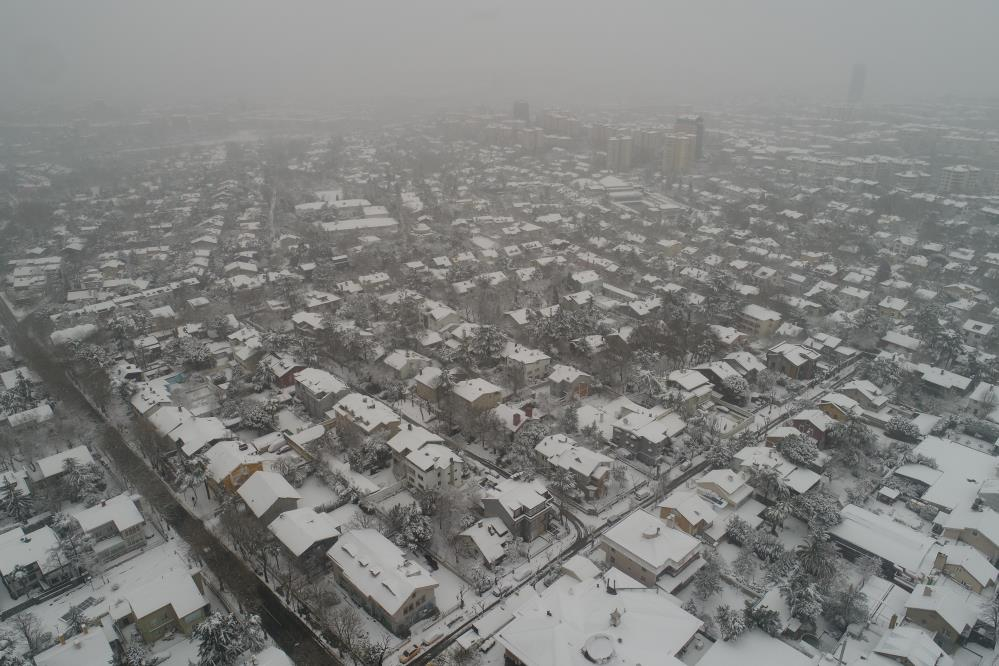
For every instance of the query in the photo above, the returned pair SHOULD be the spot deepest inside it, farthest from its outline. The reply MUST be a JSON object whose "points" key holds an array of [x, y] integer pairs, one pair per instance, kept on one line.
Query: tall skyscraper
{"points": [[692, 125], [678, 153], [858, 79], [522, 110], [619, 153]]}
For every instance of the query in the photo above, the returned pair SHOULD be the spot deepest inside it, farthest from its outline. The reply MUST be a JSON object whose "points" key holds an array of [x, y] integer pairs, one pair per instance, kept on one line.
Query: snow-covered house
{"points": [[26, 561], [589, 469], [364, 415], [318, 390], [116, 526], [305, 531], [268, 495], [392, 588], [173, 601], [525, 508], [646, 548]]}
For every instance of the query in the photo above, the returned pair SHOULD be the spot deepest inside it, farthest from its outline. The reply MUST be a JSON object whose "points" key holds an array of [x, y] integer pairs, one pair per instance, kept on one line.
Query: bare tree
{"points": [[30, 628]]}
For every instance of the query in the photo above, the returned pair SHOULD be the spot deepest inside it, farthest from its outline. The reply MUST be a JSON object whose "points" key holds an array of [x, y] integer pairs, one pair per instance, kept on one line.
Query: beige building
{"points": [[393, 589], [646, 548]]}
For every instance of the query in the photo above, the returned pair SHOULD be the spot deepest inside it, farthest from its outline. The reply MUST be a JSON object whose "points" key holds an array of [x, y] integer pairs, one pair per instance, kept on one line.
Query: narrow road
{"points": [[286, 628]]}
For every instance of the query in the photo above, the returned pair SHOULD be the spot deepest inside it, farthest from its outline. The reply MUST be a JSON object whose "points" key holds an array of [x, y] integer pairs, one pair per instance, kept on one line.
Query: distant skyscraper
{"points": [[522, 111], [692, 125], [858, 79], [619, 153], [678, 153]]}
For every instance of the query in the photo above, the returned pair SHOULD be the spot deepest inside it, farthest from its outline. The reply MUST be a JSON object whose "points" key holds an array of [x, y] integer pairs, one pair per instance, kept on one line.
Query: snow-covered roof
{"points": [[955, 605], [83, 648], [263, 489], [378, 569], [172, 588], [579, 623], [53, 465], [472, 389], [225, 457], [120, 510], [754, 648], [300, 529], [650, 541], [962, 470], [319, 382], [881, 536], [20, 549], [489, 535], [563, 452], [910, 644]]}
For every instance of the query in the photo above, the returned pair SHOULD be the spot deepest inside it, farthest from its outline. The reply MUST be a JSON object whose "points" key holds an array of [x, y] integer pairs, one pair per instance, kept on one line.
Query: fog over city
{"points": [[499, 333], [470, 52]]}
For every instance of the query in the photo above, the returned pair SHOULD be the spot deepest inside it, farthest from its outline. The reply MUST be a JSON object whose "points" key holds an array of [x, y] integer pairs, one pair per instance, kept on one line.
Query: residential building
{"points": [[590, 470], [794, 360], [647, 548], [26, 561], [172, 602], [525, 508], [759, 321], [268, 495], [318, 390], [392, 588], [364, 415], [116, 526]]}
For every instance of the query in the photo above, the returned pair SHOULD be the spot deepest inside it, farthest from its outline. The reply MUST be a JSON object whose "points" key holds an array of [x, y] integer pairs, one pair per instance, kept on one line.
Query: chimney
{"points": [[410, 426], [927, 591], [85, 628], [670, 520], [528, 410], [516, 419], [615, 618]]}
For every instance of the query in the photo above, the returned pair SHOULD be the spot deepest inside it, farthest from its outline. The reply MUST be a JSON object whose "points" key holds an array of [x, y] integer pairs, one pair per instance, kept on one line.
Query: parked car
{"points": [[409, 653]]}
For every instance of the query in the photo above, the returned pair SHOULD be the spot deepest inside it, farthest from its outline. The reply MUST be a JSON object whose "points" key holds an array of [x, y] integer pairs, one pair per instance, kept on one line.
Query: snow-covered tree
{"points": [[819, 508], [707, 580], [408, 527], [223, 638], [731, 623], [735, 390], [740, 532], [852, 440], [798, 449], [9, 653], [764, 617], [16, 503], [903, 429], [767, 546], [844, 606], [883, 371], [258, 416], [570, 417], [817, 555], [803, 597], [769, 483]]}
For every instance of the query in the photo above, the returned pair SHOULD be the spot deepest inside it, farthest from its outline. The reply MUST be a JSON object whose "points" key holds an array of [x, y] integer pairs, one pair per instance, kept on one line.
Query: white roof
{"points": [[957, 606], [319, 382], [562, 451], [650, 541], [565, 373], [689, 504], [972, 561], [225, 457], [911, 644], [300, 529], [88, 648], [120, 510], [52, 465], [365, 412], [956, 464], [412, 438], [263, 489], [489, 535], [760, 313], [433, 456], [570, 625], [880, 535], [753, 648], [379, 569], [20, 549], [172, 588], [471, 389]]}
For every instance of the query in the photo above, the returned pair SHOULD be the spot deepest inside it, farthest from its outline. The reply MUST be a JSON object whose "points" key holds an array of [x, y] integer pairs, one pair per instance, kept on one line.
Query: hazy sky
{"points": [[558, 51]]}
